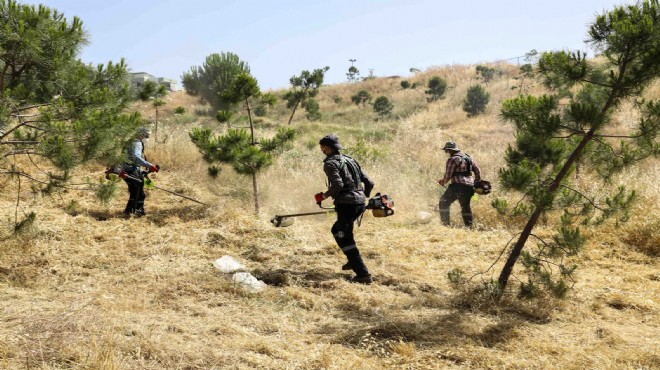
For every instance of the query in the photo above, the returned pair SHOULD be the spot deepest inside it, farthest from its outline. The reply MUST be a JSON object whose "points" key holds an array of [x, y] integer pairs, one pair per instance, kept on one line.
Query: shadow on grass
{"points": [[284, 277], [184, 213], [465, 318]]}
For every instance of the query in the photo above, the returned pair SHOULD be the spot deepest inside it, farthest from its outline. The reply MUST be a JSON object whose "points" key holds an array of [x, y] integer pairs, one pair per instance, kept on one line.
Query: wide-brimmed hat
{"points": [[143, 131], [450, 145], [331, 141]]}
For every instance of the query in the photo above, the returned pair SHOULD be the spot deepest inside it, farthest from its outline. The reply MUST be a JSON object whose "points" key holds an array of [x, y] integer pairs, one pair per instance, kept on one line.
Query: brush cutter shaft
{"points": [[287, 220], [168, 191], [307, 214]]}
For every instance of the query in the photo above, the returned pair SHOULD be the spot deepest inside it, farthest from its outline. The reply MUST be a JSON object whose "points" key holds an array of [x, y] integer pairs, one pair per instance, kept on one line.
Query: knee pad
{"points": [[339, 230]]}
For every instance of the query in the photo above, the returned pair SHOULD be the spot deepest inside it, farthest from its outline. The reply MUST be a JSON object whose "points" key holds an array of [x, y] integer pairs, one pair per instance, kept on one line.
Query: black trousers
{"points": [[462, 193], [135, 204], [342, 230]]}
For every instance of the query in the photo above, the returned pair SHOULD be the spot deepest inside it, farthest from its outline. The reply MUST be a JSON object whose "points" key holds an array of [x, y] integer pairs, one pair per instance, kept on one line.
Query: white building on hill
{"points": [[138, 78]]}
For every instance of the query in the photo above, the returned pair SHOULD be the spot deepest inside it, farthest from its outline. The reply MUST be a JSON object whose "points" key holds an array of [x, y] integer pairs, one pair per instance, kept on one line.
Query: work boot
{"points": [[364, 279], [347, 266]]}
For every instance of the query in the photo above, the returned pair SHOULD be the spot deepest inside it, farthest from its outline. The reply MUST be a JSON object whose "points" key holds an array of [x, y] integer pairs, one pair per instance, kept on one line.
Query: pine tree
{"points": [[304, 87], [240, 149], [361, 97], [210, 80], [486, 73], [551, 138], [382, 106], [55, 111], [476, 100], [437, 87]]}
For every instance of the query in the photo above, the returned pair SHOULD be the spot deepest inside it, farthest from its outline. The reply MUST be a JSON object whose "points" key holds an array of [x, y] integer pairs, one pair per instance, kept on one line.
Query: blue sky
{"points": [[280, 38]]}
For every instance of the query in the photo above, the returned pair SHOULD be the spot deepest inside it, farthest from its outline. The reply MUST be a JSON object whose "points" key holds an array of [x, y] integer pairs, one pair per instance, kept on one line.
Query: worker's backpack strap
{"points": [[353, 169]]}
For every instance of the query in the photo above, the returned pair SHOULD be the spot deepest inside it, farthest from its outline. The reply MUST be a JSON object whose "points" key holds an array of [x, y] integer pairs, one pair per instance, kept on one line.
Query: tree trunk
{"points": [[156, 130], [247, 106], [255, 192], [2, 78], [294, 111]]}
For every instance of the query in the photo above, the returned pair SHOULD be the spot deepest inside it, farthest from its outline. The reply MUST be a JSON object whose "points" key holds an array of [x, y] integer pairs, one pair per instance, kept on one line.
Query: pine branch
{"points": [[23, 174], [20, 152], [19, 142], [11, 130], [639, 135], [34, 106], [596, 83], [583, 196]]}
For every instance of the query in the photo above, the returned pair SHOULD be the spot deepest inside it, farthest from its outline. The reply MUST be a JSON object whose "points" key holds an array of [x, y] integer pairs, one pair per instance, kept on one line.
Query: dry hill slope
{"points": [[87, 289]]}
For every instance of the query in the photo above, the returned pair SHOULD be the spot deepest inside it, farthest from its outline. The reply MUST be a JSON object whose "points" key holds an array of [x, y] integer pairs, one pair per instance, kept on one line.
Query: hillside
{"points": [[85, 288]]}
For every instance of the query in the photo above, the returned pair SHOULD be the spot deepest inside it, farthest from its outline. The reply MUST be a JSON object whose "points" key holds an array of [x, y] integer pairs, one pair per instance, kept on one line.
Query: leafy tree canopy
{"points": [[212, 79]]}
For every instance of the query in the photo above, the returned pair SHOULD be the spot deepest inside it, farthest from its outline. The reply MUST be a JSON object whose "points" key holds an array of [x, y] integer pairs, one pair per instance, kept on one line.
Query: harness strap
{"points": [[467, 159], [353, 169]]}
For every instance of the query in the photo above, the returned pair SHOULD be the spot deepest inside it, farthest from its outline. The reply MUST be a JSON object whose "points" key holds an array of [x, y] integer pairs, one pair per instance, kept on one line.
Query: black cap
{"points": [[331, 141]]}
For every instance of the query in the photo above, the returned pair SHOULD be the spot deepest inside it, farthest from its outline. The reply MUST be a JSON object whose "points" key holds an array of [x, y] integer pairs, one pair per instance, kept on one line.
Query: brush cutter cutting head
{"points": [[281, 221]]}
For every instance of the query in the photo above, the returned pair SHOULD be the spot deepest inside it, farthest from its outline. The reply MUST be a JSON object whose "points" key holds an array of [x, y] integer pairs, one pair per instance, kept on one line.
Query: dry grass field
{"points": [[84, 288]]}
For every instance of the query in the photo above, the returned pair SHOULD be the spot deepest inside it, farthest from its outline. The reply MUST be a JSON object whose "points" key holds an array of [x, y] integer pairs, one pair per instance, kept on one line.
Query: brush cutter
{"points": [[148, 183], [380, 206], [288, 220]]}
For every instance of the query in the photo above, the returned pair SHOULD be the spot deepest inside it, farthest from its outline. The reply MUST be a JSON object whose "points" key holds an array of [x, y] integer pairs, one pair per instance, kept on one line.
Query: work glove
{"points": [[319, 197], [155, 168]]}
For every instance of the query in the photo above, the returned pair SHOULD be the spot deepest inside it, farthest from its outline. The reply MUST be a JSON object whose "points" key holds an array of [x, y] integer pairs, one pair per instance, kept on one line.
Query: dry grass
{"points": [[87, 289]]}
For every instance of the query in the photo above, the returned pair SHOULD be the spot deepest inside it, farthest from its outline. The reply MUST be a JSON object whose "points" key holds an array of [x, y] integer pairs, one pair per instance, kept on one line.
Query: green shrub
{"points": [[405, 84], [260, 111], [486, 73], [382, 106], [476, 100], [361, 97], [436, 88], [179, 110], [223, 116], [312, 109]]}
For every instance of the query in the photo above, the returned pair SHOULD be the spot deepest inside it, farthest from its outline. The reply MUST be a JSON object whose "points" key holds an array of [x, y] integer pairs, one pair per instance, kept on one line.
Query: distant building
{"points": [[169, 83], [139, 78]]}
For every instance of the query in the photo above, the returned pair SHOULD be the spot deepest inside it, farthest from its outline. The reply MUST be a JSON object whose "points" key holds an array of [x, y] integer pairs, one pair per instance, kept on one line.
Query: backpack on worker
{"points": [[353, 169]]}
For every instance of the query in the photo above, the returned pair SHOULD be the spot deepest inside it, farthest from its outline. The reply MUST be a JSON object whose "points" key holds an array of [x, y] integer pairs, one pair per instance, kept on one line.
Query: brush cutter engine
{"points": [[482, 187], [381, 205]]}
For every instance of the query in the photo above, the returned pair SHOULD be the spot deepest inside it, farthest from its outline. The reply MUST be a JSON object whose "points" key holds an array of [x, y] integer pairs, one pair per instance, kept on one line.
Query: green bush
{"points": [[382, 106], [312, 109], [179, 110], [260, 111], [405, 84], [476, 100], [223, 116], [486, 73], [361, 97], [436, 88]]}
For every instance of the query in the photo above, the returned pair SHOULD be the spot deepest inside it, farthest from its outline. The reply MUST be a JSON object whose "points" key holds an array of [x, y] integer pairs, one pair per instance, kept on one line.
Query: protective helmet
{"points": [[450, 145]]}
